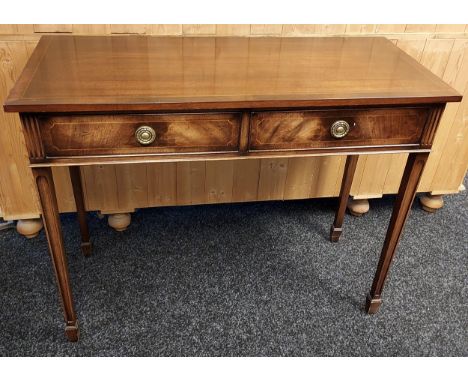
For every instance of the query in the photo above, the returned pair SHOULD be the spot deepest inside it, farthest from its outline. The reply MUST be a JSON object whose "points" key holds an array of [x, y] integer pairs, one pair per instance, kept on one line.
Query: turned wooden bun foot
{"points": [[372, 304], [358, 207], [335, 234], [119, 222], [72, 331], [431, 203], [29, 227], [86, 249]]}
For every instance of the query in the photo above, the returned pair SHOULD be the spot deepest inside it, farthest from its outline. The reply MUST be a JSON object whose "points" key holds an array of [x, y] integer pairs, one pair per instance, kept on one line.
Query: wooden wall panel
{"points": [[299, 30], [219, 178], [272, 178], [420, 28], [266, 29], [390, 28], [246, 177], [441, 48], [329, 171], [232, 29], [161, 186], [128, 29], [361, 28], [438, 61], [53, 28], [450, 28], [199, 29], [100, 188], [166, 30], [301, 174], [17, 191]]}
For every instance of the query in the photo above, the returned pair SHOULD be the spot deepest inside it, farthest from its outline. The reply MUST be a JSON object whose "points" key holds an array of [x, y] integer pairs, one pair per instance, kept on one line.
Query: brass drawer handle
{"points": [[339, 129], [145, 135]]}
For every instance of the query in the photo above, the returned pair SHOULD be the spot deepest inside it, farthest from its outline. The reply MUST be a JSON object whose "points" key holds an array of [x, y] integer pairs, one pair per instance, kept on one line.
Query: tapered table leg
{"points": [[75, 177], [350, 168], [51, 219], [408, 187]]}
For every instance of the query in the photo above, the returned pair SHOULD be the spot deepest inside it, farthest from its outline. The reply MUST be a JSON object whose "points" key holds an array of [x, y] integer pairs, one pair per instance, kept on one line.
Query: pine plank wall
{"points": [[441, 48]]}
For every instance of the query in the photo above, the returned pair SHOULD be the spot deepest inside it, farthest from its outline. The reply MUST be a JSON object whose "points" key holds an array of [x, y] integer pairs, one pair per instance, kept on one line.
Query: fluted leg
{"points": [[408, 187], [51, 219], [350, 168]]}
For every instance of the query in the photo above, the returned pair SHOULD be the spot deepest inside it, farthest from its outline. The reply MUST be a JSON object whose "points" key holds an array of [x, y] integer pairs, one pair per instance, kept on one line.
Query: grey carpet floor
{"points": [[257, 279]]}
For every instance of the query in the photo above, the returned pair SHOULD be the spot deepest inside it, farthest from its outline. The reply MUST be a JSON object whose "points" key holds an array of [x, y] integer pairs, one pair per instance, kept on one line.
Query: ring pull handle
{"points": [[145, 135], [339, 129]]}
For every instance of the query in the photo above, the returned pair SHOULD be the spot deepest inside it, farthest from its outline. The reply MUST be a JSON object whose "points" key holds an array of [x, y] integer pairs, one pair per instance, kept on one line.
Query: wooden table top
{"points": [[142, 73]]}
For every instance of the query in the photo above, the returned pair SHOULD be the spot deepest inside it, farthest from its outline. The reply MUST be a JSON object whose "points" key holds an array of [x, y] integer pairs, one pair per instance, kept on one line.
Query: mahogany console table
{"points": [[130, 99]]}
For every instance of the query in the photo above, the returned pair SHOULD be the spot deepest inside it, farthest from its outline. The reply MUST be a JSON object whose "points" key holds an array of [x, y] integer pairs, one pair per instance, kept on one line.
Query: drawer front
{"points": [[116, 134], [312, 129]]}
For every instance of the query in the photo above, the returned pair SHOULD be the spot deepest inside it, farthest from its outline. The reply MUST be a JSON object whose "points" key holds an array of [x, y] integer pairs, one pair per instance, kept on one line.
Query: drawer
{"points": [[313, 129], [64, 135]]}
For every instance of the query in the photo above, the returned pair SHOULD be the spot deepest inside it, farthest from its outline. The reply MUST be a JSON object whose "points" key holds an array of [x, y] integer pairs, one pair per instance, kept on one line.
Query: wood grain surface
{"points": [[81, 73]]}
